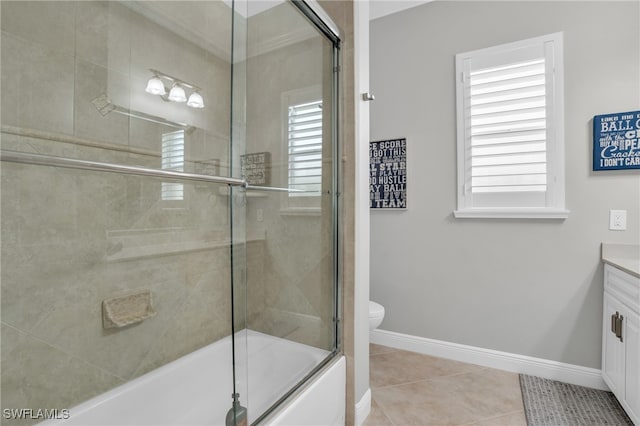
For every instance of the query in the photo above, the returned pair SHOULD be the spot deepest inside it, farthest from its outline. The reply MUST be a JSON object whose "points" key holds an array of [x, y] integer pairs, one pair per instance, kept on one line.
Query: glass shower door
{"points": [[116, 257], [291, 204], [169, 193]]}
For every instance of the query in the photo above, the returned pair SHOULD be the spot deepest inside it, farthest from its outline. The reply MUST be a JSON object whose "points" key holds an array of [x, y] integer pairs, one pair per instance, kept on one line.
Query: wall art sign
{"points": [[616, 141], [255, 168], [388, 174]]}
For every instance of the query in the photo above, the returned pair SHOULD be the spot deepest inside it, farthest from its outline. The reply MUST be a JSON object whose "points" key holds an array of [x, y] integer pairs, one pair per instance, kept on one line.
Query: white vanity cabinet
{"points": [[621, 338]]}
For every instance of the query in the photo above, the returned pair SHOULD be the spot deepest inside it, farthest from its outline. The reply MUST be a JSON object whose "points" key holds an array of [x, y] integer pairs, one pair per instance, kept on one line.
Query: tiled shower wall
{"points": [[294, 298], [71, 239]]}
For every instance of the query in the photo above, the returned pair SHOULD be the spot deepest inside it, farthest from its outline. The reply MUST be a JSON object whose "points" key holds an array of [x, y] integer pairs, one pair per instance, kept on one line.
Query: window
{"points": [[173, 159], [305, 149], [510, 130]]}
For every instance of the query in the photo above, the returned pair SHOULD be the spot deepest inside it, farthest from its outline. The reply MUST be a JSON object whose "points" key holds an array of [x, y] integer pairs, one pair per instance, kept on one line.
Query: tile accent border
{"points": [[548, 369], [363, 408]]}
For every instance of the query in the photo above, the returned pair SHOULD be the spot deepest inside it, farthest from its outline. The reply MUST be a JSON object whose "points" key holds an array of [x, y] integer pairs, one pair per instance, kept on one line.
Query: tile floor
{"points": [[408, 388]]}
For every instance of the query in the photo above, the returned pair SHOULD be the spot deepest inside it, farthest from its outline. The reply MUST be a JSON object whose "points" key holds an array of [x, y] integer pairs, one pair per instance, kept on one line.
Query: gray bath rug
{"points": [[551, 403]]}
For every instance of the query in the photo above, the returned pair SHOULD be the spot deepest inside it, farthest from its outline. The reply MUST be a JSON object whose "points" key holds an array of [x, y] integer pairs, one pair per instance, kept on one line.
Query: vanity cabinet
{"points": [[621, 338]]}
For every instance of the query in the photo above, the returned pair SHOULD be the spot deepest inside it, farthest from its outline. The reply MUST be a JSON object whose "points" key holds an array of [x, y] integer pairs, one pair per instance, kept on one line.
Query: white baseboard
{"points": [[363, 407], [568, 373]]}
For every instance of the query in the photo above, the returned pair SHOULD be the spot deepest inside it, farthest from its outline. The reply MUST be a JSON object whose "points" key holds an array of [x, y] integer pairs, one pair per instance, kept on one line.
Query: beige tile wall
{"points": [[64, 232], [71, 239]]}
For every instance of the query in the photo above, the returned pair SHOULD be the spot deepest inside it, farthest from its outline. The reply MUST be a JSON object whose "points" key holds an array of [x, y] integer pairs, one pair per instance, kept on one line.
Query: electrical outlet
{"points": [[617, 220]]}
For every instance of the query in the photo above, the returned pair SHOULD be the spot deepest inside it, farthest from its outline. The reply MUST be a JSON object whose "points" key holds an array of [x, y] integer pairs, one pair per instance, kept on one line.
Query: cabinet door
{"points": [[612, 349], [631, 338]]}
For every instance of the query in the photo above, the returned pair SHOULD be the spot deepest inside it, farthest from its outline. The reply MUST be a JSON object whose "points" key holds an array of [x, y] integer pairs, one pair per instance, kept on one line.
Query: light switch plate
{"points": [[617, 220]]}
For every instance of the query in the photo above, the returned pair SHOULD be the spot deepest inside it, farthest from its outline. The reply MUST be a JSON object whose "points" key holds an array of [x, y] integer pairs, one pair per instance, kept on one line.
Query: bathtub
{"points": [[196, 389]]}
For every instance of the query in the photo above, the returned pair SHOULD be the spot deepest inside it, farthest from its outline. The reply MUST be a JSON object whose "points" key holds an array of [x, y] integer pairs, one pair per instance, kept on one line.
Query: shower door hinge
{"points": [[337, 68]]}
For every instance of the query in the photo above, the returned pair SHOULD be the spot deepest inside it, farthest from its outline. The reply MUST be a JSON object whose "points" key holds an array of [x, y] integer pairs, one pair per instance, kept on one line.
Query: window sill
{"points": [[481, 213]]}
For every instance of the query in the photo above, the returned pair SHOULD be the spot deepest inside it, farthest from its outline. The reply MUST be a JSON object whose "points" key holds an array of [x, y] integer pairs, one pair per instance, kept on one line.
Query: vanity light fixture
{"points": [[195, 100], [155, 86], [178, 93]]}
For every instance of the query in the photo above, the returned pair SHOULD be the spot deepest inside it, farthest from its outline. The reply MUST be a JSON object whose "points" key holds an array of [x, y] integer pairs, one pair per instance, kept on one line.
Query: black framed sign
{"points": [[388, 174], [616, 141]]}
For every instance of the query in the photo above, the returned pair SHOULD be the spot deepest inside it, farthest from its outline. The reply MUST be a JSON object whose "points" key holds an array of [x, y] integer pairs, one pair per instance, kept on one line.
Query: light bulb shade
{"points": [[155, 86], [195, 100], [177, 94]]}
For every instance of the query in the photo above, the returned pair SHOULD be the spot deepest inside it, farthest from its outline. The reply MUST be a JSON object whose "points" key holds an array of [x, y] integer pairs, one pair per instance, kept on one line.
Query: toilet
{"points": [[376, 314]]}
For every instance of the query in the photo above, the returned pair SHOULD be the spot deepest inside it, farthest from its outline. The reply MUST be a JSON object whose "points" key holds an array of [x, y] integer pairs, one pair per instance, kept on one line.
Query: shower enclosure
{"points": [[169, 209]]}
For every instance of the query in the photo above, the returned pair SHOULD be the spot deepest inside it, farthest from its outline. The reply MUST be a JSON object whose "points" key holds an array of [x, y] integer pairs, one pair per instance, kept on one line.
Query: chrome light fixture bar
{"points": [[156, 86]]}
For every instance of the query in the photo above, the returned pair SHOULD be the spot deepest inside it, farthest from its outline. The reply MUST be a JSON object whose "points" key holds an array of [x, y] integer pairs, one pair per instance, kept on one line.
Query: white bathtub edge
{"points": [[311, 406], [163, 397], [363, 407]]}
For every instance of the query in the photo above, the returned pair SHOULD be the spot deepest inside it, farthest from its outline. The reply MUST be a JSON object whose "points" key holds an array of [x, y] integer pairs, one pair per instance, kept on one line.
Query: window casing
{"points": [[510, 130]]}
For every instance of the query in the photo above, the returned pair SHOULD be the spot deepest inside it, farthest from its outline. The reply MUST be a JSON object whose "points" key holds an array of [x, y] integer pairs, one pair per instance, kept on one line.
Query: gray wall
{"points": [[531, 287]]}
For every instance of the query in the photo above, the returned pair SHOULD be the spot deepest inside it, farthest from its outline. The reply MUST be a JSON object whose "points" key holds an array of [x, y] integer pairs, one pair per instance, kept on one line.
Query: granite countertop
{"points": [[623, 256]]}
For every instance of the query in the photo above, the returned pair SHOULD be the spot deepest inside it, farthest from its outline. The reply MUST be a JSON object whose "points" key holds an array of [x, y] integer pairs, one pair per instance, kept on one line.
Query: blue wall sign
{"points": [[616, 141], [388, 174]]}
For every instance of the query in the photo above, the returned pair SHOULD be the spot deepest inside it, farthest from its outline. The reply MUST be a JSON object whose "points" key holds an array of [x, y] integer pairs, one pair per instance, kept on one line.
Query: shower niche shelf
{"points": [[128, 309]]}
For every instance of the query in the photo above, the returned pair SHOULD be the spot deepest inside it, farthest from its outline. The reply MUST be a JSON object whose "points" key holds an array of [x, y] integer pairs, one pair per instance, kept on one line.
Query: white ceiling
{"points": [[380, 8]]}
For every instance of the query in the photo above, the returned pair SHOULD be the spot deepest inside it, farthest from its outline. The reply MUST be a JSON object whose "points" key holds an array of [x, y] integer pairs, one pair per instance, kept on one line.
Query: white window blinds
{"points": [[510, 130], [173, 159], [305, 148]]}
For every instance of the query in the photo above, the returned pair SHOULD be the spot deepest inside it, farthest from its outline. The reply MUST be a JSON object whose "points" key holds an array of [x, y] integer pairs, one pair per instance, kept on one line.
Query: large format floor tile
{"points": [[414, 389], [398, 367]]}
